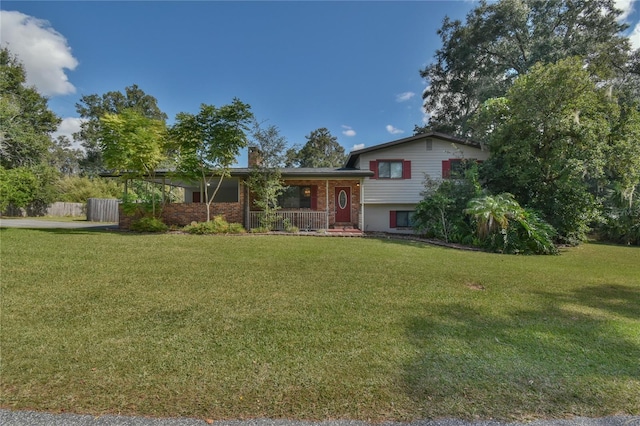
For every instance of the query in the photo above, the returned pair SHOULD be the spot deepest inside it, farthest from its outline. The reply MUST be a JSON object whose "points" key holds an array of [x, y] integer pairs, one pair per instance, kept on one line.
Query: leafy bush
{"points": [[502, 225], [621, 222], [441, 213], [148, 224], [289, 227], [218, 225], [76, 189]]}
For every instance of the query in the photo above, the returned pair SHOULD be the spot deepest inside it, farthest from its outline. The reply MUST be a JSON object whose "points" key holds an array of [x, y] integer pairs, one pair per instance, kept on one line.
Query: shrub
{"points": [[76, 189], [289, 227], [441, 213], [502, 225], [218, 225], [148, 224]]}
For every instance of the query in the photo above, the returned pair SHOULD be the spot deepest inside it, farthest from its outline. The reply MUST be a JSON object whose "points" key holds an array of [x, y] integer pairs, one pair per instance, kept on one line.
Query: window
{"points": [[297, 197], [454, 168], [390, 169], [401, 219]]}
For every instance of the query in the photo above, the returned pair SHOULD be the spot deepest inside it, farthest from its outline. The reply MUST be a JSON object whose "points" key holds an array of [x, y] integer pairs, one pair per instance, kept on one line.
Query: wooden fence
{"points": [[102, 210], [65, 209]]}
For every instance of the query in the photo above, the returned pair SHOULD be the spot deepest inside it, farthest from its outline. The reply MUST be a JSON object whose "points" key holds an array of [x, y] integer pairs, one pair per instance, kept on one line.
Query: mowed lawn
{"points": [[314, 328]]}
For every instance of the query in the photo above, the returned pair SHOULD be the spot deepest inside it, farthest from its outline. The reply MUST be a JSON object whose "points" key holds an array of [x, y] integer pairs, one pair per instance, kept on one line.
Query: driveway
{"points": [[49, 224], [31, 418]]}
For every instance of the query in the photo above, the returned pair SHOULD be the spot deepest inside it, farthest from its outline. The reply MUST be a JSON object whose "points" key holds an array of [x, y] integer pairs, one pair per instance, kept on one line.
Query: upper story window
{"points": [[454, 168], [390, 169]]}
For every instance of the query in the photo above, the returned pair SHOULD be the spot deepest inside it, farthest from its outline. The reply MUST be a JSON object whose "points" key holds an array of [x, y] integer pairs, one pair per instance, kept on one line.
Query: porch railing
{"points": [[304, 220]]}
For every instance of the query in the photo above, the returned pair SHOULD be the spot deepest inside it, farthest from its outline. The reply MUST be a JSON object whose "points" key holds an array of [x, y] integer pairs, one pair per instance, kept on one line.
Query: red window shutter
{"points": [[446, 169], [406, 169], [392, 219], [314, 197], [373, 166]]}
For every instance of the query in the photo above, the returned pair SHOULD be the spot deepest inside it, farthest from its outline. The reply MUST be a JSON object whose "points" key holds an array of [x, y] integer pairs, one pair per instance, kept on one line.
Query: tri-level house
{"points": [[377, 189], [390, 195]]}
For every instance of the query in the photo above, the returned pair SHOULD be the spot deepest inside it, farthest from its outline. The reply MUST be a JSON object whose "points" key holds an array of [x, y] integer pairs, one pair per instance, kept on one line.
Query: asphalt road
{"points": [[31, 418], [49, 224]]}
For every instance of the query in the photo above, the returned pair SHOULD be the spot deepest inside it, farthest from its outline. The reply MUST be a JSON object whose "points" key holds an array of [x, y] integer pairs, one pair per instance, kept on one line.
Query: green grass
{"points": [[314, 328]]}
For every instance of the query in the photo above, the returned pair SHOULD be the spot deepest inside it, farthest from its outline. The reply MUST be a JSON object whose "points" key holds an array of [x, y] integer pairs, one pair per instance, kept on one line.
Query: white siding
{"points": [[377, 217], [423, 162]]}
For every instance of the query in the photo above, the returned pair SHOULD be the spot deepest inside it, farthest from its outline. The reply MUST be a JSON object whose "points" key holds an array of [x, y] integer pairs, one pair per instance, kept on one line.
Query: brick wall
{"points": [[321, 185], [181, 214]]}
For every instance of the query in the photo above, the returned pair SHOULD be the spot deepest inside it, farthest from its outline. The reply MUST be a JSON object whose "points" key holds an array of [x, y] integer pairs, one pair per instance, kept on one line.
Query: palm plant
{"points": [[504, 226]]}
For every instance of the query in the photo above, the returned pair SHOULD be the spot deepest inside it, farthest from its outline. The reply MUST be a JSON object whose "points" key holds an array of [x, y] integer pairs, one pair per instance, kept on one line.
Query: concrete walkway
{"points": [[32, 418], [50, 224]]}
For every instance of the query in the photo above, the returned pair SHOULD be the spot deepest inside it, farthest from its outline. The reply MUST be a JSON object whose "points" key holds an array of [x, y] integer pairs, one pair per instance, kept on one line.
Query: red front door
{"points": [[343, 204]]}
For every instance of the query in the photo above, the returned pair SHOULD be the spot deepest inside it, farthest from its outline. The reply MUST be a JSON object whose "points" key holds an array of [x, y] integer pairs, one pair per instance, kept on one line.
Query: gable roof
{"points": [[353, 155]]}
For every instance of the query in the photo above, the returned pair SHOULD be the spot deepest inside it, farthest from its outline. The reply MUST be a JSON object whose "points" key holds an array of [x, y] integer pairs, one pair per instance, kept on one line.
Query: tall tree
{"points": [[551, 140], [26, 123], [500, 41], [208, 143], [133, 143], [64, 157], [92, 107], [265, 180], [321, 150]]}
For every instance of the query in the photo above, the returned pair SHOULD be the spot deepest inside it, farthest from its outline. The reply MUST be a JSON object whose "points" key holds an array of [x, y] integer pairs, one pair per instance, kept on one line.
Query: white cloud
{"points": [[68, 127], [626, 6], [402, 97], [393, 130], [634, 37], [357, 146], [43, 51], [348, 131]]}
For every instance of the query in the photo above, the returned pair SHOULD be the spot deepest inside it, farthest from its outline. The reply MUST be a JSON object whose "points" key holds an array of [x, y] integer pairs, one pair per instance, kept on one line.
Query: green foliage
{"points": [[26, 121], [549, 138], [218, 225], [17, 187], [289, 227], [503, 226], [77, 189], [92, 108], [321, 150], [64, 158], [208, 143], [148, 224], [265, 180], [441, 213], [133, 143], [31, 188], [500, 41], [621, 223]]}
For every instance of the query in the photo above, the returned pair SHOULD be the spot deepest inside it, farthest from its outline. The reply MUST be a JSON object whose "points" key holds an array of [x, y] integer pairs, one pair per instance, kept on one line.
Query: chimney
{"points": [[255, 157]]}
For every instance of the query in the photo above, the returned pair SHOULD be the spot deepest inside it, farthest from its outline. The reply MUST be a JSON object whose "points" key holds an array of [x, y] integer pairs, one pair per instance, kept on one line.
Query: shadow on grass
{"points": [[571, 354]]}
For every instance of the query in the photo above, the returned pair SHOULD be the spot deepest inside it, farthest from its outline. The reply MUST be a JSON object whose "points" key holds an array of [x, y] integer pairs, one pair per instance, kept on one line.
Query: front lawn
{"points": [[314, 328]]}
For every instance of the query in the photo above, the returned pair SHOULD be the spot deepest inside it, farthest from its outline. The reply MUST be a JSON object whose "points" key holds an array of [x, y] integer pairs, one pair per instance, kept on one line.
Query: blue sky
{"points": [[352, 67]]}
